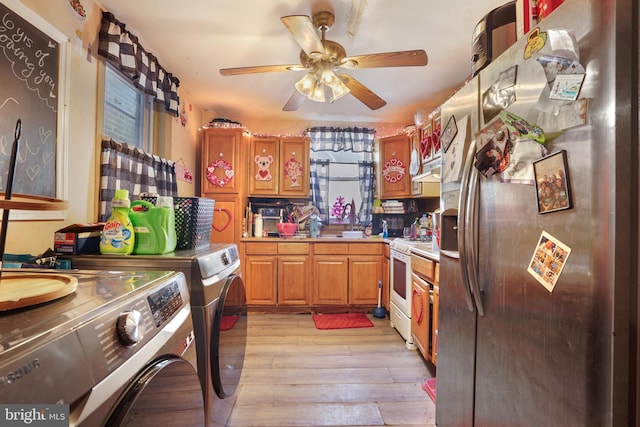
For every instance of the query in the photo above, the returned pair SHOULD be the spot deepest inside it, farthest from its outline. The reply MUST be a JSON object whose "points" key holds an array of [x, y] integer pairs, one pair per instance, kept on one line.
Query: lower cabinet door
{"points": [[420, 315], [293, 280], [260, 279], [330, 280]]}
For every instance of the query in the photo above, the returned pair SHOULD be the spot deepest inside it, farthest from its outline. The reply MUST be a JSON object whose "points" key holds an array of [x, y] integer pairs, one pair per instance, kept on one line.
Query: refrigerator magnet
{"points": [[552, 182], [449, 133], [548, 260], [519, 127], [566, 87]]}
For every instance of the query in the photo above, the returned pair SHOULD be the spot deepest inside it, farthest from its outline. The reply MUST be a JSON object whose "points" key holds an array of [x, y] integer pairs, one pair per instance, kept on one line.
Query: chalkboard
{"points": [[29, 90]]}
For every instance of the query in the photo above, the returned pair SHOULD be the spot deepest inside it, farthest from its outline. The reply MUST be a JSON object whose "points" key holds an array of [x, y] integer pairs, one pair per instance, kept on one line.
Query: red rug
{"points": [[228, 322], [342, 321], [430, 387]]}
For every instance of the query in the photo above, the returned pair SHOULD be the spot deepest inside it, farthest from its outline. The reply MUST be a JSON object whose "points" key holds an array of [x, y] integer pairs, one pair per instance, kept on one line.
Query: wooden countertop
{"points": [[327, 239]]}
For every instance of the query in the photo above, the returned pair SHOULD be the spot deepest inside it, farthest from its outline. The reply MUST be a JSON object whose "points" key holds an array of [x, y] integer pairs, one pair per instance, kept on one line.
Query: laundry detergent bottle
{"points": [[154, 226], [117, 236], [166, 220]]}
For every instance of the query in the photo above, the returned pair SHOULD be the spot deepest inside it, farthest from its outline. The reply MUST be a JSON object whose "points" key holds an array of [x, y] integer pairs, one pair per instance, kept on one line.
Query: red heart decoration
{"points": [[229, 217], [263, 173]]}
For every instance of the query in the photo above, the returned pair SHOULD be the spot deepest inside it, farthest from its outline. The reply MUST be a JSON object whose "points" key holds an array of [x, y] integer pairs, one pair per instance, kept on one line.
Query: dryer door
{"points": [[166, 393], [229, 337]]}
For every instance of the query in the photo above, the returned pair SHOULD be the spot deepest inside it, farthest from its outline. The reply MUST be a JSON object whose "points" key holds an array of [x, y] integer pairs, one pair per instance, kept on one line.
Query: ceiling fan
{"points": [[322, 58]]}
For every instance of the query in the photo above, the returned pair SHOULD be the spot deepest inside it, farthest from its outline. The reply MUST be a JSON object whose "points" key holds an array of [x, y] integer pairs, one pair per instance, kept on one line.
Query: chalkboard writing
{"points": [[29, 66]]}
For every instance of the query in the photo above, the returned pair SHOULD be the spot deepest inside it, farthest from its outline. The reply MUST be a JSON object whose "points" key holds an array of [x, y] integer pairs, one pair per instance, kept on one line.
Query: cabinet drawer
{"points": [[423, 267], [293, 248], [331, 248], [255, 248], [365, 248]]}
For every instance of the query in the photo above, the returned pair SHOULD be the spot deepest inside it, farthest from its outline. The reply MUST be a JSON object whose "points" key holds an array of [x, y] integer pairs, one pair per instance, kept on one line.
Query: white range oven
{"points": [[400, 298]]}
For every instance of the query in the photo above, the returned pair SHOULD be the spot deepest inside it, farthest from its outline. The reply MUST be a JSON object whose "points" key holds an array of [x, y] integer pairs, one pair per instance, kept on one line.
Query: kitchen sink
{"points": [[352, 234]]}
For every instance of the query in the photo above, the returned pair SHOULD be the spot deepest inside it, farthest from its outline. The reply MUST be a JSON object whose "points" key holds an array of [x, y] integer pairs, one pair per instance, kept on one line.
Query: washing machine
{"points": [[219, 312], [117, 351]]}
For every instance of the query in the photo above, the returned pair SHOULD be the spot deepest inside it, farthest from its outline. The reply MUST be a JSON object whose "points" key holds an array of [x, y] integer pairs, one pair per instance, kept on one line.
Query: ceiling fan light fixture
{"points": [[339, 90], [306, 84], [317, 94]]}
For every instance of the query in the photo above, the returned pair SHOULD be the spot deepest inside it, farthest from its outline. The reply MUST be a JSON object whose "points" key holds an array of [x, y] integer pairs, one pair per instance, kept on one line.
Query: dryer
{"points": [[219, 312], [119, 351]]}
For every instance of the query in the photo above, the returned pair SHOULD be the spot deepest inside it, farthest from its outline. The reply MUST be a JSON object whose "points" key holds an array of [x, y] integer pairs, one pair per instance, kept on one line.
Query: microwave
{"points": [[395, 223]]}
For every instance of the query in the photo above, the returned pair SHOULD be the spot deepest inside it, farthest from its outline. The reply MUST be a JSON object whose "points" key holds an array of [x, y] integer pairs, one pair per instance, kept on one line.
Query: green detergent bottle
{"points": [[117, 236], [154, 226]]}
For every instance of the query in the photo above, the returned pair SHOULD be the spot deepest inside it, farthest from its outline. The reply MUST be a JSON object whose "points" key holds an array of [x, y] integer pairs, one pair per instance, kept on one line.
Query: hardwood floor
{"points": [[297, 375]]}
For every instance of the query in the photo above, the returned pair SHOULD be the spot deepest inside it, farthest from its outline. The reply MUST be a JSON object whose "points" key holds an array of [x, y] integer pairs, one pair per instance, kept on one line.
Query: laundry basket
{"points": [[194, 218]]}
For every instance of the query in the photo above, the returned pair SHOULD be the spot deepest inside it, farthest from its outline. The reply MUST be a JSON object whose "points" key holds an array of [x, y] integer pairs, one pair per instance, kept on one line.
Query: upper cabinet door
{"points": [[264, 166], [222, 168], [294, 167], [395, 156]]}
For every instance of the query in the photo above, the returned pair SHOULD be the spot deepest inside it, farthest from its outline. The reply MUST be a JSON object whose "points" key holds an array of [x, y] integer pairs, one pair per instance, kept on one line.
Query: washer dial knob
{"points": [[130, 328]]}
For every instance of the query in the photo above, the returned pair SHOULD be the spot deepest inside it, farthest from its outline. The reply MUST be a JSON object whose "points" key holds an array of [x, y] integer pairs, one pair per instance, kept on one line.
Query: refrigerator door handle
{"points": [[462, 232], [471, 237]]}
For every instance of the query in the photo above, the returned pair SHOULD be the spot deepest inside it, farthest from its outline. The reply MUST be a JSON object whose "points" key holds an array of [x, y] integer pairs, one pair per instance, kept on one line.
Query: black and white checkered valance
{"points": [[122, 49]]}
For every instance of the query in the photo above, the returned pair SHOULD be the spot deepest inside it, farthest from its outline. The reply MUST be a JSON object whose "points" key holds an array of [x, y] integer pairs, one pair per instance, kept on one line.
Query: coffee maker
{"points": [[271, 216]]}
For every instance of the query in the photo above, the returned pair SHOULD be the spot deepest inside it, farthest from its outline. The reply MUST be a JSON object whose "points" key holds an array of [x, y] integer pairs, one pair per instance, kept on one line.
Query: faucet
{"points": [[352, 214]]}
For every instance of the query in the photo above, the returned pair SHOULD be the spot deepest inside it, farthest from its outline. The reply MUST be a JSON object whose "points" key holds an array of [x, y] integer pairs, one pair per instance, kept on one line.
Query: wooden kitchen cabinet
{"points": [[365, 271], [224, 158], [364, 274], [434, 325], [260, 273], [279, 167], [293, 274], [277, 273], [395, 158], [420, 324], [330, 280], [424, 305]]}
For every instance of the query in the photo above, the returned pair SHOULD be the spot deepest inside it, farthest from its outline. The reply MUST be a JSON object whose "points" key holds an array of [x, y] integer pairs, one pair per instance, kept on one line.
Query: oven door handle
{"points": [[462, 225]]}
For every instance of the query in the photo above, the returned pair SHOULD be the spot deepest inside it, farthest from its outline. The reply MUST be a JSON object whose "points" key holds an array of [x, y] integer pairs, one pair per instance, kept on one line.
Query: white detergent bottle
{"points": [[117, 235]]}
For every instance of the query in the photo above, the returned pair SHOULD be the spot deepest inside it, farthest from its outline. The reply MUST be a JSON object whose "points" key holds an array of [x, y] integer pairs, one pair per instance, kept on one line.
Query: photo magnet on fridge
{"points": [[548, 259], [552, 182]]}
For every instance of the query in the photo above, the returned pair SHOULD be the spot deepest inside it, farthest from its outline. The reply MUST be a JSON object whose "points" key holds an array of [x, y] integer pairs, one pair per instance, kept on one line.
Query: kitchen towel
{"points": [[342, 321]]}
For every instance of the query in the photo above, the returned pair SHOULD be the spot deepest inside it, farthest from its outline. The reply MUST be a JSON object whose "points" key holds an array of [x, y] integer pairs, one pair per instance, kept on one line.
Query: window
{"points": [[343, 181], [128, 112], [342, 171]]}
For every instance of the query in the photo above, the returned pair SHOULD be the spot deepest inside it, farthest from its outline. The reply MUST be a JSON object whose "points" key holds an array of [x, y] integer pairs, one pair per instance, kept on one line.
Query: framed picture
{"points": [[449, 133], [552, 183]]}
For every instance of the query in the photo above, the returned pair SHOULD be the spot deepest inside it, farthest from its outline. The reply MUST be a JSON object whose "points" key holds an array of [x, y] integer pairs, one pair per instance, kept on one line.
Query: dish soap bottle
{"points": [[117, 235]]}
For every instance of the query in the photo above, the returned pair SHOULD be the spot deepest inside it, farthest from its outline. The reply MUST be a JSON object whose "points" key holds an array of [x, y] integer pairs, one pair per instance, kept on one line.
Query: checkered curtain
{"points": [[127, 168], [319, 181], [338, 139], [122, 49], [341, 139], [367, 179]]}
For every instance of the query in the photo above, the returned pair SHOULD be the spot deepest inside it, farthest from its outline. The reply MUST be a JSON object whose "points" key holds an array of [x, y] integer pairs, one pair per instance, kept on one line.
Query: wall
{"points": [[35, 237], [181, 134]]}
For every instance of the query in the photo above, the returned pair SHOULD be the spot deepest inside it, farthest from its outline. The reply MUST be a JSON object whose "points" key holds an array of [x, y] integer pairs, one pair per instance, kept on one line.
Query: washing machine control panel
{"points": [[165, 302]]}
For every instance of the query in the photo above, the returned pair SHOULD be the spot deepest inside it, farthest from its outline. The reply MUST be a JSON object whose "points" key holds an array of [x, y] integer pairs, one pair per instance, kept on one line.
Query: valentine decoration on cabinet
{"points": [[264, 168], [215, 178], [293, 170], [394, 170]]}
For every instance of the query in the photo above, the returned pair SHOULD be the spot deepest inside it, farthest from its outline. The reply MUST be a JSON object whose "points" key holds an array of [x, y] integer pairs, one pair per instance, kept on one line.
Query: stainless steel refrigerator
{"points": [[513, 350]]}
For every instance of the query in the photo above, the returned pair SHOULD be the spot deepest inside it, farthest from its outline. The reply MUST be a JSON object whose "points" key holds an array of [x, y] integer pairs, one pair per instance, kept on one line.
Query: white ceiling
{"points": [[193, 39]]}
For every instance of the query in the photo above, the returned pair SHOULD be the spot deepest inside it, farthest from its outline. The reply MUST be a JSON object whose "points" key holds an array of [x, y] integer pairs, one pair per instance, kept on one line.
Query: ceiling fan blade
{"points": [[362, 93], [259, 69], [294, 102], [304, 33], [403, 58]]}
